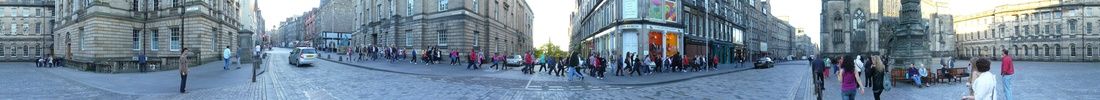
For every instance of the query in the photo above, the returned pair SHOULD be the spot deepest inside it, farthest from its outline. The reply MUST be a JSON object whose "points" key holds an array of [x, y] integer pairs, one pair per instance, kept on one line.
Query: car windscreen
{"points": [[309, 51]]}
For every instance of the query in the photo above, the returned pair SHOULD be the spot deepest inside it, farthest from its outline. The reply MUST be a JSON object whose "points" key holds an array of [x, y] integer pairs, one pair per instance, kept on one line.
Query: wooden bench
{"points": [[898, 74], [956, 73]]}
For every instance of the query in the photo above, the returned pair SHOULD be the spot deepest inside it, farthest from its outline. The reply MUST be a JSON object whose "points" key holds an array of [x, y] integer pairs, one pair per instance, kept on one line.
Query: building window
{"points": [[154, 37], [443, 5], [37, 27], [1089, 49], [409, 8], [26, 51], [217, 37], [136, 39], [1047, 49], [476, 6], [1015, 31], [2, 48], [1058, 29], [83, 38], [1057, 50], [14, 29], [174, 41], [408, 37], [1072, 49], [443, 38], [1088, 27], [38, 49]]}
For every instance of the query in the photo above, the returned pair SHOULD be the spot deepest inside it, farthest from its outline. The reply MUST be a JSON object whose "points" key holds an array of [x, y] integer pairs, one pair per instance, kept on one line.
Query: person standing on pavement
{"points": [[601, 66], [714, 63], [51, 62], [183, 69], [225, 56], [454, 57], [1007, 69], [983, 87], [258, 51], [849, 80]]}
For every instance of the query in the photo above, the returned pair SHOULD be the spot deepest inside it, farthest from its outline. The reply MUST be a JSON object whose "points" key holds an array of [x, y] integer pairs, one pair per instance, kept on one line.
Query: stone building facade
{"points": [[25, 29], [867, 27], [853, 26], [1044, 30], [109, 35], [494, 26], [728, 29], [333, 16]]}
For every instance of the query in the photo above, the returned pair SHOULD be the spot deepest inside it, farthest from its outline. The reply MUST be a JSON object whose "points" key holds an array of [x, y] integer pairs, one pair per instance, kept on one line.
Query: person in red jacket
{"points": [[1007, 69], [473, 60], [714, 62]]}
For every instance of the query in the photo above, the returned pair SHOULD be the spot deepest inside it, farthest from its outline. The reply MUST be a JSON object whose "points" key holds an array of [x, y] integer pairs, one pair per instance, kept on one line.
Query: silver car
{"points": [[302, 55]]}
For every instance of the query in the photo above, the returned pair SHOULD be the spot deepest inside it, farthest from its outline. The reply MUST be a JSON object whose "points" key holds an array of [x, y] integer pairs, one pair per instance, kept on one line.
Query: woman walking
{"points": [[849, 80], [878, 76]]}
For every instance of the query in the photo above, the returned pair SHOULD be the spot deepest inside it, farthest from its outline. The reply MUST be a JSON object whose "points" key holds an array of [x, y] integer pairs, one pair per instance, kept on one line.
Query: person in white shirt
{"points": [[225, 56], [984, 87]]}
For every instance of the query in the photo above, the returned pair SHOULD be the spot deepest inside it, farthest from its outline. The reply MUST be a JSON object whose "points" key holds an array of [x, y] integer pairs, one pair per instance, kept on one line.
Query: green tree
{"points": [[549, 49]]}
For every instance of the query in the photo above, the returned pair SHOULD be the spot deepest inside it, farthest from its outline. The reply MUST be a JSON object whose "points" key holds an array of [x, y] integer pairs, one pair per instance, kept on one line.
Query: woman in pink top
{"points": [[849, 80]]}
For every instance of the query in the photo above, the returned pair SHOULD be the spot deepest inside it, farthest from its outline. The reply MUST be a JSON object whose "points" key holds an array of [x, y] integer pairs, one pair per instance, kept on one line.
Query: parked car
{"points": [[514, 60], [302, 56], [765, 62]]}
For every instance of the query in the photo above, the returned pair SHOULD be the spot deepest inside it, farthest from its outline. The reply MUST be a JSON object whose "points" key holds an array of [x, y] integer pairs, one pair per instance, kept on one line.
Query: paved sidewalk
{"points": [[445, 69], [205, 76]]}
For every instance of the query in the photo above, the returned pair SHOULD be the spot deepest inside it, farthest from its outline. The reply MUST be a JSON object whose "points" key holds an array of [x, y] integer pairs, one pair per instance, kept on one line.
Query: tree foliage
{"points": [[551, 50]]}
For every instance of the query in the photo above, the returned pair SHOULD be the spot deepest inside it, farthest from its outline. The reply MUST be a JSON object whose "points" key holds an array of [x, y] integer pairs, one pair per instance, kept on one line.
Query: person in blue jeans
{"points": [[914, 75], [225, 56]]}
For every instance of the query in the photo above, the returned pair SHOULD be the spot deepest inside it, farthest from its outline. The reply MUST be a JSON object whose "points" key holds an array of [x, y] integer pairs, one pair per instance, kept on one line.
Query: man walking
{"points": [[529, 63], [1007, 69], [473, 60], [183, 69], [225, 56]]}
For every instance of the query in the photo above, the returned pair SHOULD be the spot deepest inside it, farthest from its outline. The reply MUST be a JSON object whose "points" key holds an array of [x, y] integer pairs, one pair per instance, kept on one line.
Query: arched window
{"points": [[1046, 50], [1015, 49], [1025, 51], [1036, 50], [1072, 49], [1057, 50], [1089, 49]]}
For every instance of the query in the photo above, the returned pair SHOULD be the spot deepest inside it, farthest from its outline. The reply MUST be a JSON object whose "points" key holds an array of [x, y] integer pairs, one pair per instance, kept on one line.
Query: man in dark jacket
{"points": [[819, 78]]}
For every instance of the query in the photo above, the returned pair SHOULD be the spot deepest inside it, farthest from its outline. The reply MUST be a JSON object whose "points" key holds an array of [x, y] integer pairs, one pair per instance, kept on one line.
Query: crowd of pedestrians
{"points": [[49, 61], [574, 65]]}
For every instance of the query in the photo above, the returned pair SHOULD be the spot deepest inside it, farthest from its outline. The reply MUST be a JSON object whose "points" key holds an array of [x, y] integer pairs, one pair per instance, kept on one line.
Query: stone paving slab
{"points": [[205, 76]]}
